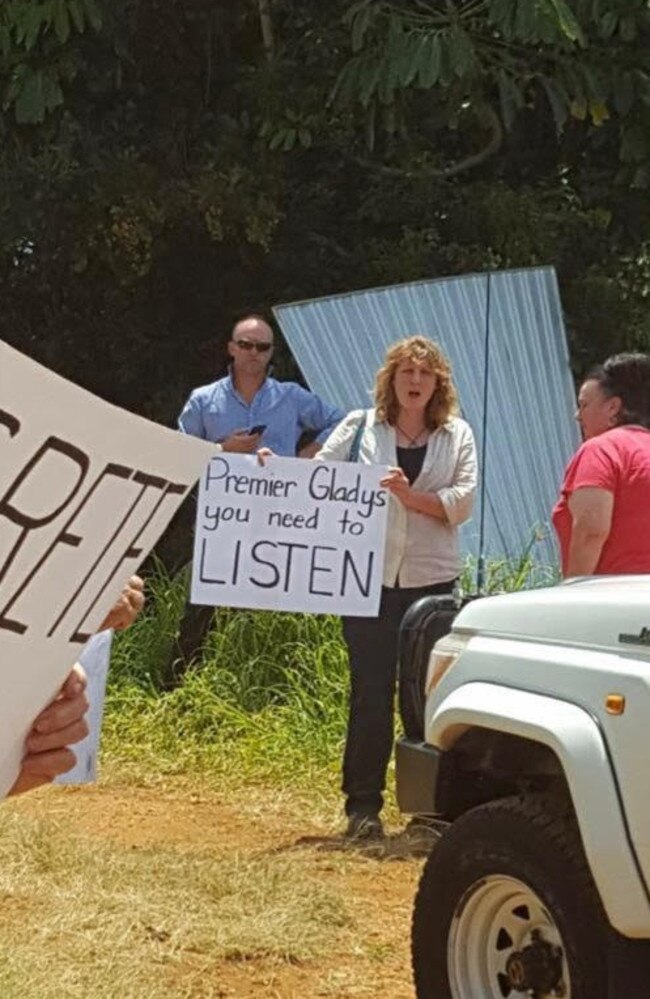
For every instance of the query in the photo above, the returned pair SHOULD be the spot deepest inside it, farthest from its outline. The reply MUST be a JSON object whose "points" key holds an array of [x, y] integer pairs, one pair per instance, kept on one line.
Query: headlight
{"points": [[443, 656]]}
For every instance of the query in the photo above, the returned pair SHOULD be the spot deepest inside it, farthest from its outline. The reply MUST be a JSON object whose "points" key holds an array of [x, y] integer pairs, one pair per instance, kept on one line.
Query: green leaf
{"points": [[525, 20], [29, 108], [52, 92], [30, 29], [558, 99], [623, 93], [370, 126], [642, 81], [628, 29], [289, 139], [595, 88], [501, 16], [277, 139], [547, 29], [77, 15], [354, 10], [608, 24], [360, 25], [346, 85], [93, 14], [635, 146], [429, 71], [446, 74], [387, 82], [409, 64], [567, 21], [369, 82], [461, 52], [61, 21]]}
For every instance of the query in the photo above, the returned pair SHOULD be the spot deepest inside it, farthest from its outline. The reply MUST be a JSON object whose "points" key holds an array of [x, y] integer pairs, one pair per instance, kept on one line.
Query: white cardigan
{"points": [[420, 550]]}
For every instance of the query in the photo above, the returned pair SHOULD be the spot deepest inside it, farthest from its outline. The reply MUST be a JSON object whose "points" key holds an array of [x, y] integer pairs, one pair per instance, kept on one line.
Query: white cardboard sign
{"points": [[86, 489], [95, 660], [293, 535]]}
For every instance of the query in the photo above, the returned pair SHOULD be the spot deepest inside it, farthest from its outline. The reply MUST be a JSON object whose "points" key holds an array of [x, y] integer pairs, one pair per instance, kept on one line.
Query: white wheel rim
{"points": [[497, 917]]}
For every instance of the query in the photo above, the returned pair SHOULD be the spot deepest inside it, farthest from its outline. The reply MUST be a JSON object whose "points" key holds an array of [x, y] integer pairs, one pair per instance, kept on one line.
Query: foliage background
{"points": [[166, 165]]}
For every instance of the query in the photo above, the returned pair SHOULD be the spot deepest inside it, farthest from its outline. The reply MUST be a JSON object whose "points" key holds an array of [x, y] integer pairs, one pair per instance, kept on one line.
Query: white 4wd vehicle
{"points": [[528, 730]]}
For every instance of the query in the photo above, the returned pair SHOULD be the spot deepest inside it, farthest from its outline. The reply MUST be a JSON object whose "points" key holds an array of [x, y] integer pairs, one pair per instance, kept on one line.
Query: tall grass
{"points": [[267, 698], [268, 695]]}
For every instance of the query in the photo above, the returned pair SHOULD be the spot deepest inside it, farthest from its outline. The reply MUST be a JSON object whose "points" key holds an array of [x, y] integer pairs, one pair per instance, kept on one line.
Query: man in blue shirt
{"points": [[240, 413], [248, 408]]}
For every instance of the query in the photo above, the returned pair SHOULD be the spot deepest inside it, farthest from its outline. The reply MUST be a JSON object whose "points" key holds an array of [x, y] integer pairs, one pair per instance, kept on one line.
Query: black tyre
{"points": [[507, 907], [426, 620]]}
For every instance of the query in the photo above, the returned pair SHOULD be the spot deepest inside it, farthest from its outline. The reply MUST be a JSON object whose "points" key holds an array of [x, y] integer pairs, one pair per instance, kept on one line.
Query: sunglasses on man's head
{"points": [[261, 348]]}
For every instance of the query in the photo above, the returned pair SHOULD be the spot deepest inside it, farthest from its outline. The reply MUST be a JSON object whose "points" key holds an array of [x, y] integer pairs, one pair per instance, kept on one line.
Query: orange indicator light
{"points": [[614, 704]]}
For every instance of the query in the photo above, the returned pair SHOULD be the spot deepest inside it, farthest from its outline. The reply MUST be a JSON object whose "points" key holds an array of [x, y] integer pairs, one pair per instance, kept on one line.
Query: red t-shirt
{"points": [[618, 461]]}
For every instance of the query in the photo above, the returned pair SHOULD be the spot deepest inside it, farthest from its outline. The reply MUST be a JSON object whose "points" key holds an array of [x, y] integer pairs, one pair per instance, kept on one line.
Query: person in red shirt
{"points": [[602, 517]]}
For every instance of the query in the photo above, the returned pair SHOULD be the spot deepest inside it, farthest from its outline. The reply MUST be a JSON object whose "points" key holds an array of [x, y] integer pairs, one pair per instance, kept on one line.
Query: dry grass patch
{"points": [[86, 920]]}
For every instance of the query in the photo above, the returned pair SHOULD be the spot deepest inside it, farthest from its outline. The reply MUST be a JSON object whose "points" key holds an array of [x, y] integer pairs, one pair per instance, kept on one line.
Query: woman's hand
{"points": [[398, 484], [428, 504], [263, 454], [58, 726], [127, 607]]}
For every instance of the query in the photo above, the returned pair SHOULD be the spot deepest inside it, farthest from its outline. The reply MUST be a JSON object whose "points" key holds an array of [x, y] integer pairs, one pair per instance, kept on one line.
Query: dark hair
{"points": [[626, 376]]}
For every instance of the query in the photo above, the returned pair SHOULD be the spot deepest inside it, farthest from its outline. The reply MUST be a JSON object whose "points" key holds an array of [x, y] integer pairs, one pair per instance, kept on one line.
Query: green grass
{"points": [[267, 698], [266, 701]]}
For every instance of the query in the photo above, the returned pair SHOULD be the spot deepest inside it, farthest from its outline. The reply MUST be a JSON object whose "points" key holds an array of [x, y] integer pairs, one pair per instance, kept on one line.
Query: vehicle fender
{"points": [[577, 741]]}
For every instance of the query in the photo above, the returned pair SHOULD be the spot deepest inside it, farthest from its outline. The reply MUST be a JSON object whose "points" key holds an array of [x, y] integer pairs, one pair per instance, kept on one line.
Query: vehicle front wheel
{"points": [[507, 907]]}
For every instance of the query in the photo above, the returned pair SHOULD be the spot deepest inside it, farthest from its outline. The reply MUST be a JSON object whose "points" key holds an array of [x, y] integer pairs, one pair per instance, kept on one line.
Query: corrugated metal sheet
{"points": [[512, 318]]}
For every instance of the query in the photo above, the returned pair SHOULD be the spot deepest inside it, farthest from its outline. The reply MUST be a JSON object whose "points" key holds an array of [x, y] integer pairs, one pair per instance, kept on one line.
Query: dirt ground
{"points": [[377, 884]]}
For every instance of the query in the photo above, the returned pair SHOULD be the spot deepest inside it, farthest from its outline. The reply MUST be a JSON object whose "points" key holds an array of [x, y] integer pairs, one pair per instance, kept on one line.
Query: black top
{"points": [[410, 460]]}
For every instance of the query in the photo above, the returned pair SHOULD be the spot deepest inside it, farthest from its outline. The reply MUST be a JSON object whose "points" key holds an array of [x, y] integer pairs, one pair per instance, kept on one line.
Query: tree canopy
{"points": [[166, 165]]}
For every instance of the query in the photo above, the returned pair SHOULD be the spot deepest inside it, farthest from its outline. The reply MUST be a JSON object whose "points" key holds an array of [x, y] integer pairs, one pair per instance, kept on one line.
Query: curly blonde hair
{"points": [[444, 401]]}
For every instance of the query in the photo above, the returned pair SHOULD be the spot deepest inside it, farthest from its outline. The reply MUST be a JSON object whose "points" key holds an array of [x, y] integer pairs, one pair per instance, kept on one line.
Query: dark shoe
{"points": [[364, 827], [423, 831]]}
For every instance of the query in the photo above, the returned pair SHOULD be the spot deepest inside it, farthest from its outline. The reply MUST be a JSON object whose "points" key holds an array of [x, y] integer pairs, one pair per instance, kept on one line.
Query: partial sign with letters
{"points": [[85, 491], [293, 535]]}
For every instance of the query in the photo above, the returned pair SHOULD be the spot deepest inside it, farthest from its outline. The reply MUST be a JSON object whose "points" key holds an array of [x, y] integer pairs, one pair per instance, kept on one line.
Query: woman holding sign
{"points": [[414, 429]]}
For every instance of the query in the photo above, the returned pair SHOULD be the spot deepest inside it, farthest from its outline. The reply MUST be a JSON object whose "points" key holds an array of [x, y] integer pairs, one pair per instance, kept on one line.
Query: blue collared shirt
{"points": [[215, 411]]}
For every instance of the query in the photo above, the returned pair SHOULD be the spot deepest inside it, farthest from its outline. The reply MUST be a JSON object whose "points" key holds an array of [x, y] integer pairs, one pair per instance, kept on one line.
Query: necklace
{"points": [[412, 441]]}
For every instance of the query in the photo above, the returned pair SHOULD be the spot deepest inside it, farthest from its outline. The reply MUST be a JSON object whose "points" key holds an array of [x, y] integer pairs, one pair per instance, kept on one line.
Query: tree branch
{"points": [[490, 149], [493, 146]]}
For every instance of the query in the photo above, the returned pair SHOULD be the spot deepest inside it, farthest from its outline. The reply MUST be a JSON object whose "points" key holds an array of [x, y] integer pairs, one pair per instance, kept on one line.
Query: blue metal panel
{"points": [[340, 341]]}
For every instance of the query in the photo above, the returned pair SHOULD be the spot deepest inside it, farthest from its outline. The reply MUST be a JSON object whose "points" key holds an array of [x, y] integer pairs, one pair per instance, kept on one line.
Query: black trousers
{"points": [[372, 647], [196, 619]]}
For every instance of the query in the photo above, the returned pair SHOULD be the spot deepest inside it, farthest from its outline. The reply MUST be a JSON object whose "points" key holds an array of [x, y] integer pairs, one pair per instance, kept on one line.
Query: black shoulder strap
{"points": [[356, 440]]}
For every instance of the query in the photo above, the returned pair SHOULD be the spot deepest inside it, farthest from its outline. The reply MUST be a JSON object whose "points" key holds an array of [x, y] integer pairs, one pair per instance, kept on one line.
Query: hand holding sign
{"points": [[129, 604], [85, 491], [58, 727]]}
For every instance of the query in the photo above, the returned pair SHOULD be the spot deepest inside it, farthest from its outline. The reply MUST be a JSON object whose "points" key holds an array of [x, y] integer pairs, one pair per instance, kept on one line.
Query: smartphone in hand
{"points": [[258, 429]]}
